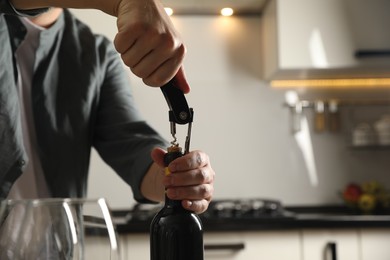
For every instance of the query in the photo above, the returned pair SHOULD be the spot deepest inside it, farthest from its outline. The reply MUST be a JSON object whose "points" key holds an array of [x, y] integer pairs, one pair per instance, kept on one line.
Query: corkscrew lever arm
{"points": [[179, 112]]}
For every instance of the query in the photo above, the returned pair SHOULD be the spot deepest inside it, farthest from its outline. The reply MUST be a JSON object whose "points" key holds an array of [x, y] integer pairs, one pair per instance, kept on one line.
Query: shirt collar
{"points": [[18, 30]]}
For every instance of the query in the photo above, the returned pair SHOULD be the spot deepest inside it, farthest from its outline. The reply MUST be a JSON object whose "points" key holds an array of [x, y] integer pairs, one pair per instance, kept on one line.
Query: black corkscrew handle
{"points": [[179, 112]]}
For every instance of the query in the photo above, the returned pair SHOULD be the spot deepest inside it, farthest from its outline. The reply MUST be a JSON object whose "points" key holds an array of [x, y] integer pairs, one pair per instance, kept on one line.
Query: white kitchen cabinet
{"points": [[135, 247], [270, 245], [375, 244], [259, 245], [351, 244], [306, 244], [316, 39], [315, 244]]}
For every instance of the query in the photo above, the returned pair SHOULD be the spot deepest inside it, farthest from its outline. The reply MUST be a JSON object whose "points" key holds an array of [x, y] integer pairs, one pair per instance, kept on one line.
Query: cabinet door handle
{"points": [[331, 247], [232, 247], [372, 53]]}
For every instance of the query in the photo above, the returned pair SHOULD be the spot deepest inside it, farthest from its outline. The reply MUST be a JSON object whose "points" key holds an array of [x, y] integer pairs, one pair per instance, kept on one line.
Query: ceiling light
{"points": [[169, 11], [227, 11]]}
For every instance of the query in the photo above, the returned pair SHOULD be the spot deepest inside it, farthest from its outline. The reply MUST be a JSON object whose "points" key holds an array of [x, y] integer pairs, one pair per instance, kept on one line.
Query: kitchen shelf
{"points": [[329, 109]]}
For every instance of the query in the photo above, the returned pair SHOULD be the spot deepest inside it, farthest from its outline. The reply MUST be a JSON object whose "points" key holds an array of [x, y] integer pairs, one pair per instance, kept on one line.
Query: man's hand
{"points": [[190, 179], [149, 43], [146, 38]]}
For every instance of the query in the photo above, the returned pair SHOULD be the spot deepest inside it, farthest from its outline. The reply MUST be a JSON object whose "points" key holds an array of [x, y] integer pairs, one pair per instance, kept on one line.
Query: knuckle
{"points": [[150, 82], [126, 60], [195, 160], [181, 51], [120, 43], [168, 40], [129, 60], [173, 46], [158, 79], [178, 55], [190, 162], [206, 191], [199, 158], [203, 176], [212, 176], [139, 72]]}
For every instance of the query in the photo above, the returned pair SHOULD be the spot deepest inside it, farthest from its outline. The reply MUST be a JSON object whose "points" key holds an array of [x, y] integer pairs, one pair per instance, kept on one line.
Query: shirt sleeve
{"points": [[7, 8], [122, 137]]}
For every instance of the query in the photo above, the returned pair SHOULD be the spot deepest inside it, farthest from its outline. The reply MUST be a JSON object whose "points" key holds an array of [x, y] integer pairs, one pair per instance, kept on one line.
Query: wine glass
{"points": [[63, 229], [11, 217]]}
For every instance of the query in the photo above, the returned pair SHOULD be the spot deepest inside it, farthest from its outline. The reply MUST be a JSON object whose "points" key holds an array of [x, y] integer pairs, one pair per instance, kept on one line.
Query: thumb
{"points": [[158, 156]]}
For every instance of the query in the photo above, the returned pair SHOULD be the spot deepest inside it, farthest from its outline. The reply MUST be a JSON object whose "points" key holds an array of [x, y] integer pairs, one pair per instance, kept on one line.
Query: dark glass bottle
{"points": [[175, 233]]}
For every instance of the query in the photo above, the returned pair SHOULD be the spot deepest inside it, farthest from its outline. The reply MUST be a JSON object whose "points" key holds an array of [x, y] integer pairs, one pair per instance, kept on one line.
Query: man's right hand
{"points": [[149, 43]]}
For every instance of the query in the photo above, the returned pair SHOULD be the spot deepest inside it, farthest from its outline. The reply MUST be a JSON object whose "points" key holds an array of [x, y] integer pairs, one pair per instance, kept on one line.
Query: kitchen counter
{"points": [[330, 217]]}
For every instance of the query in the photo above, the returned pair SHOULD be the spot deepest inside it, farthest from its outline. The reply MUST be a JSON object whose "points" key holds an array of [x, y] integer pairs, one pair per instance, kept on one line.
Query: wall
{"points": [[242, 123]]}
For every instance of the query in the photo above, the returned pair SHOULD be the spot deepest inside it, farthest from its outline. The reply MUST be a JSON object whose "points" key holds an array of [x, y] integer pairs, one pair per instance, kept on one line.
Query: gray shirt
{"points": [[81, 98]]}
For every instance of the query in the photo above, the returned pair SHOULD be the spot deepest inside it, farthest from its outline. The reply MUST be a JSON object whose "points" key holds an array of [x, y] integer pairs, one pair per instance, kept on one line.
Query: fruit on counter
{"points": [[352, 193], [371, 187], [368, 197], [367, 203]]}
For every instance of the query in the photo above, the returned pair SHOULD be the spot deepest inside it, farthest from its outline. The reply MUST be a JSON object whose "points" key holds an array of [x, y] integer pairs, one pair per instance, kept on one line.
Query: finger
{"points": [[132, 58], [120, 45], [148, 49], [146, 66], [197, 206], [190, 178], [190, 192], [124, 40], [181, 81], [166, 69], [190, 161]]}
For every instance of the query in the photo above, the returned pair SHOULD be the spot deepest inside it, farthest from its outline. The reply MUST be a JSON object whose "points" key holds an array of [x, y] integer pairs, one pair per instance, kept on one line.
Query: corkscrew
{"points": [[179, 112]]}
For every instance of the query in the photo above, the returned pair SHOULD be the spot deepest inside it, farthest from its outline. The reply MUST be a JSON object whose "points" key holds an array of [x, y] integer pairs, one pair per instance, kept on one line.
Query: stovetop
{"points": [[246, 208], [221, 209]]}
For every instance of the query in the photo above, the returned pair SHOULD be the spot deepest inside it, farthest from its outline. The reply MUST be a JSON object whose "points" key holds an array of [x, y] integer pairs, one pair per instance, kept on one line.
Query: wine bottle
{"points": [[175, 233]]}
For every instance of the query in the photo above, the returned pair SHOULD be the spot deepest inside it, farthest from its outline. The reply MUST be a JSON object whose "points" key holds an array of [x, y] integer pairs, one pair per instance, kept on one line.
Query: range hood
{"points": [[326, 41]]}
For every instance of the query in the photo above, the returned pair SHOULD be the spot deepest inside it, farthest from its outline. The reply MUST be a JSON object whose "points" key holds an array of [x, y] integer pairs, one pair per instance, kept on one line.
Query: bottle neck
{"points": [[172, 203], [174, 152]]}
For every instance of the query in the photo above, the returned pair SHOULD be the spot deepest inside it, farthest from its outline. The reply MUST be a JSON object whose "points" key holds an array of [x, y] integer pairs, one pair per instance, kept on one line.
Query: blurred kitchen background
{"points": [[298, 141]]}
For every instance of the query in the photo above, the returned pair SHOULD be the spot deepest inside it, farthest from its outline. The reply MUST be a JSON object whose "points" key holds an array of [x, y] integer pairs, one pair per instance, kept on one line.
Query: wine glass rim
{"points": [[50, 201]]}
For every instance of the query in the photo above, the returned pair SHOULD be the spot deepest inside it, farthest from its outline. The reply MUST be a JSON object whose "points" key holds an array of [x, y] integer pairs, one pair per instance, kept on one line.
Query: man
{"points": [[66, 91]]}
